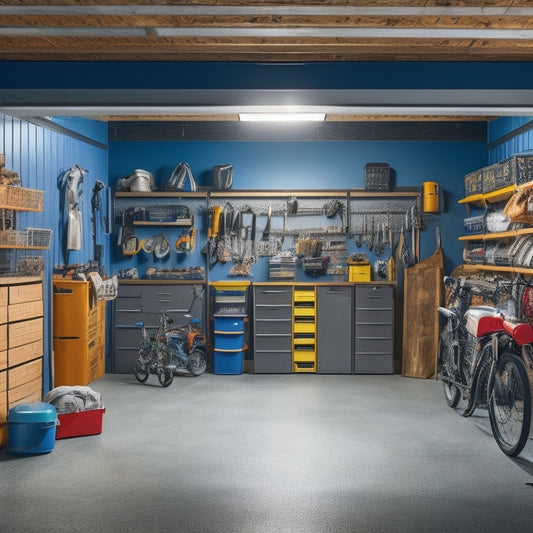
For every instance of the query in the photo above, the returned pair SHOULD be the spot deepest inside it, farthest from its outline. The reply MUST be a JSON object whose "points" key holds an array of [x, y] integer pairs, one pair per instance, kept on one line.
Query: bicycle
{"points": [[170, 351], [481, 360]]}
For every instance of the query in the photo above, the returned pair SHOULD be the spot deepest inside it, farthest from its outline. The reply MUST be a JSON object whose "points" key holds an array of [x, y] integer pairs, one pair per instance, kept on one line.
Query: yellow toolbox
{"points": [[359, 273]]}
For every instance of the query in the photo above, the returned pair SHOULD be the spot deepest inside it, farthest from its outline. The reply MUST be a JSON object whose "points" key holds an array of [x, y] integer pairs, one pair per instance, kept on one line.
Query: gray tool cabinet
{"points": [[143, 301], [374, 329], [272, 328], [335, 336]]}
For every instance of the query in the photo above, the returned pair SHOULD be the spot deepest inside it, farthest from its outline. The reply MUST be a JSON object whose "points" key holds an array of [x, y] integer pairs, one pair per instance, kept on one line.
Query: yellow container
{"points": [[359, 273], [230, 285], [431, 197]]}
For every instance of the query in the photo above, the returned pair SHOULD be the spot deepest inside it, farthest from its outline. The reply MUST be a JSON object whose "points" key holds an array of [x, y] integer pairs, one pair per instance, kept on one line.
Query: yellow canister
{"points": [[431, 196]]}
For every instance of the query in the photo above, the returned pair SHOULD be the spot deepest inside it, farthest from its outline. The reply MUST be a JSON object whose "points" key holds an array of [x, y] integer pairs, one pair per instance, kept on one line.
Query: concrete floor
{"points": [[272, 454]]}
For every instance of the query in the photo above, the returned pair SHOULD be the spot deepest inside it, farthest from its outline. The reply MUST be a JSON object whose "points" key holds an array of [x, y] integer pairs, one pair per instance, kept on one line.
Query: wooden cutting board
{"points": [[423, 293]]}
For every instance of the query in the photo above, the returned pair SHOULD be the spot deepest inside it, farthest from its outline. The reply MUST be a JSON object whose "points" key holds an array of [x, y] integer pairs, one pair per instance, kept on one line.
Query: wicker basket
{"points": [[19, 199]]}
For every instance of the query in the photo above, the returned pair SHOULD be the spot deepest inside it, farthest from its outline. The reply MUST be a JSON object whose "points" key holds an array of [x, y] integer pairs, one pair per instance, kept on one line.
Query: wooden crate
{"points": [[25, 353], [3, 314], [3, 296], [3, 337], [29, 392], [22, 374], [25, 293], [25, 310], [20, 333]]}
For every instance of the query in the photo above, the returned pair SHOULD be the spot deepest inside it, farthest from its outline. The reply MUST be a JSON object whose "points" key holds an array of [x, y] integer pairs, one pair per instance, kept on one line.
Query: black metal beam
{"points": [[311, 131]]}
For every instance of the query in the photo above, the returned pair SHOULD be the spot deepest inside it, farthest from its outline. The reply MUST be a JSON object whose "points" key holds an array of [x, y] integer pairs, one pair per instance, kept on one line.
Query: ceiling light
{"points": [[282, 117]]}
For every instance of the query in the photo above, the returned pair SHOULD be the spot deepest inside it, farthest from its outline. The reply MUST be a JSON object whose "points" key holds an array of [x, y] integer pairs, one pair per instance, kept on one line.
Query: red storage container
{"points": [[80, 424]]}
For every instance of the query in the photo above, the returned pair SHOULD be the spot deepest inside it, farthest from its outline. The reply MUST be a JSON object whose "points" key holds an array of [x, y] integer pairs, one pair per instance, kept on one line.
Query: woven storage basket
{"points": [[18, 198], [492, 177], [517, 169], [474, 182]]}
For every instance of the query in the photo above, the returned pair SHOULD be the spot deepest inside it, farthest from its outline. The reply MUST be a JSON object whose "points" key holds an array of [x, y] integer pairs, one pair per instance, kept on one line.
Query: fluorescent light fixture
{"points": [[282, 117]]}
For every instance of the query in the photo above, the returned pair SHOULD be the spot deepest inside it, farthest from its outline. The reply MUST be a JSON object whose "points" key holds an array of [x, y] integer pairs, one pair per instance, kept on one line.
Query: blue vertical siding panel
{"points": [[40, 156]]}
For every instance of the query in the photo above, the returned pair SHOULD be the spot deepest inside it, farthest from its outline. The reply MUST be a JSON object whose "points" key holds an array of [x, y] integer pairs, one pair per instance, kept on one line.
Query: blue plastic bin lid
{"points": [[32, 412]]}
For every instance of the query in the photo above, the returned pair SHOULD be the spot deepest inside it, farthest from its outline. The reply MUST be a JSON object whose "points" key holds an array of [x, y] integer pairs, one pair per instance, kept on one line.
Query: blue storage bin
{"points": [[229, 341], [228, 361], [229, 323], [32, 428]]}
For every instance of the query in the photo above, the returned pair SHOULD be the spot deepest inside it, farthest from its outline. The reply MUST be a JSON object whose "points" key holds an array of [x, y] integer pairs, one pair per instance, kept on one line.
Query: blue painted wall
{"points": [[514, 142], [41, 156], [316, 165]]}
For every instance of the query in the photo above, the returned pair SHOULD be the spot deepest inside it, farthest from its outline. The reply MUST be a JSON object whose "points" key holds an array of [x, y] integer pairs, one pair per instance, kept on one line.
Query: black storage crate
{"points": [[474, 182], [517, 169], [377, 177], [493, 178]]}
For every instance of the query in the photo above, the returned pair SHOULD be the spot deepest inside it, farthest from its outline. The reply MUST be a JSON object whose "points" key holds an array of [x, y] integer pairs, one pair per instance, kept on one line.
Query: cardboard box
{"points": [[80, 424]]}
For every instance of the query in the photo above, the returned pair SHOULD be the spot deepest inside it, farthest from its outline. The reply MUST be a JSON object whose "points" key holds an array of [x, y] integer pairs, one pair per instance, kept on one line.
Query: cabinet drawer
{"points": [[130, 291], [123, 360], [373, 296], [304, 295], [128, 304], [273, 295], [363, 317], [273, 327], [3, 296], [373, 364], [20, 333], [304, 327], [23, 311], [374, 331], [273, 312], [373, 346], [128, 318], [273, 342], [273, 362], [159, 298], [127, 338], [304, 311], [25, 293]]}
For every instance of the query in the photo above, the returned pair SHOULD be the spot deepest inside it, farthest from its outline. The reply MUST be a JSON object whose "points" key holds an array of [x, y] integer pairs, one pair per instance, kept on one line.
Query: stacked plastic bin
{"points": [[229, 326]]}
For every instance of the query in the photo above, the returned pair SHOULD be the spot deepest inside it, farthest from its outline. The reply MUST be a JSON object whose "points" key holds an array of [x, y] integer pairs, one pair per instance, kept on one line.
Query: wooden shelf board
{"points": [[497, 235]]}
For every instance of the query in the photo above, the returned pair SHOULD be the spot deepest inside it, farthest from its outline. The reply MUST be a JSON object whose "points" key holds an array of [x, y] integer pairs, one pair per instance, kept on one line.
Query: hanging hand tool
{"points": [[96, 207], [266, 231], [391, 267]]}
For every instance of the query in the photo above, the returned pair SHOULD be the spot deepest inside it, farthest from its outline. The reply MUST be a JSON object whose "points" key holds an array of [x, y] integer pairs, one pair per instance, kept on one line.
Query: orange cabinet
{"points": [[78, 334]]}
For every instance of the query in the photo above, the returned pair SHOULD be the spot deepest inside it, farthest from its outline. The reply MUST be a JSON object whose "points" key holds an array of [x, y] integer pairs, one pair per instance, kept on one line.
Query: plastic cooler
{"points": [[229, 344], [32, 428]]}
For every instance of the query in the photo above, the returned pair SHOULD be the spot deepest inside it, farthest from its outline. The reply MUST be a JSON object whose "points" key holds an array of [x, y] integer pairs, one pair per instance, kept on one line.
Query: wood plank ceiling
{"points": [[267, 31]]}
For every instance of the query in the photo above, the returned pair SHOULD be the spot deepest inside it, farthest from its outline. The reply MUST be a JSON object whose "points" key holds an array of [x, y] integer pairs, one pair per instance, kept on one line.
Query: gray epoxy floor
{"points": [[272, 454]]}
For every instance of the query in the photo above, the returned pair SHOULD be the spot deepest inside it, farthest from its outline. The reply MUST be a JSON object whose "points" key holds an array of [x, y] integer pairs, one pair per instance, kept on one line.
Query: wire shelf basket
{"points": [[34, 238]]}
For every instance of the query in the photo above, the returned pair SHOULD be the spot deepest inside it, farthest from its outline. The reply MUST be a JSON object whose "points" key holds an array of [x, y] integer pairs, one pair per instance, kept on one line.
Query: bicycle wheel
{"points": [[451, 391], [140, 371], [510, 404], [197, 363], [165, 376]]}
